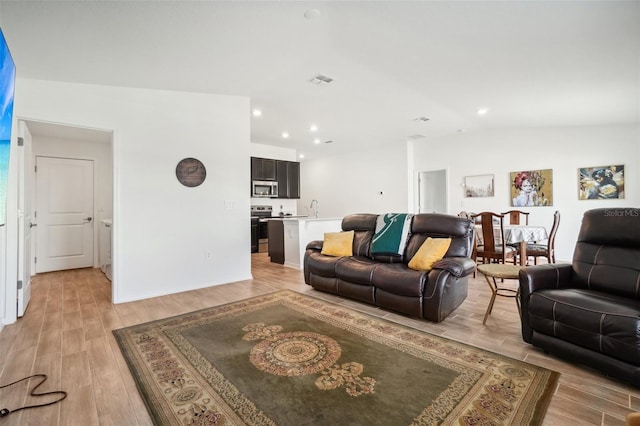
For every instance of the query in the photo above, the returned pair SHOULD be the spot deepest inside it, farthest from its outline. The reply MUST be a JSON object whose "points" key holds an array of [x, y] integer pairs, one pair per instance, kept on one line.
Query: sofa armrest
{"points": [[540, 277], [458, 266], [315, 245]]}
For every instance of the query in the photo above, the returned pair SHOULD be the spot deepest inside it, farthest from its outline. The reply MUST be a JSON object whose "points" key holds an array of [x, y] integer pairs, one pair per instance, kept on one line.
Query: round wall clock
{"points": [[191, 172]]}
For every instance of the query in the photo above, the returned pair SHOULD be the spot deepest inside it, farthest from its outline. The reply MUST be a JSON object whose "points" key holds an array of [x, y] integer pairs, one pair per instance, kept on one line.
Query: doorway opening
{"points": [[432, 191], [69, 189]]}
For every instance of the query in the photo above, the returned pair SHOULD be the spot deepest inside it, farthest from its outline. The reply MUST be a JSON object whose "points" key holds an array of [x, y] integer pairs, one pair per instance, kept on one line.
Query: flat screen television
{"points": [[7, 84]]}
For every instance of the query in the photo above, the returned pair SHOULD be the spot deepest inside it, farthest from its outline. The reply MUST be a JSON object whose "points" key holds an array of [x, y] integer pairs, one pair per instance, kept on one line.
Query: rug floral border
{"points": [[179, 386]]}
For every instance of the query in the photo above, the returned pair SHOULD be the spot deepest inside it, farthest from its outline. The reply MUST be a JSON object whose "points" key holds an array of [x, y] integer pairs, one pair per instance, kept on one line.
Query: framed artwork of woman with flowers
{"points": [[532, 188]]}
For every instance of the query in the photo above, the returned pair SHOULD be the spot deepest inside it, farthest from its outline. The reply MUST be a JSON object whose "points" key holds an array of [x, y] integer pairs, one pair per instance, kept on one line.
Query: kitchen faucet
{"points": [[317, 208]]}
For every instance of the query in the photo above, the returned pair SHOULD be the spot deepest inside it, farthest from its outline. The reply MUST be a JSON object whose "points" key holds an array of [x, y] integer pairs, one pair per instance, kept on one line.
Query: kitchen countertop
{"points": [[284, 217]]}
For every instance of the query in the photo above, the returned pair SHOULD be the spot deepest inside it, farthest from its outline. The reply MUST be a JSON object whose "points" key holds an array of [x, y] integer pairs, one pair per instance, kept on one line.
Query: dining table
{"points": [[517, 234]]}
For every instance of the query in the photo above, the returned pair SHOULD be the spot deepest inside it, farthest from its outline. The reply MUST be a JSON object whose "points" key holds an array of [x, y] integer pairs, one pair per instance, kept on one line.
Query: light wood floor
{"points": [[66, 333]]}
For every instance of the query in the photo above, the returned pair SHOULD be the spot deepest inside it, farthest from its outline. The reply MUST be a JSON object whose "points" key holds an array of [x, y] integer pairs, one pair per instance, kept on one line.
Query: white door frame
{"points": [[417, 192], [25, 221], [10, 230]]}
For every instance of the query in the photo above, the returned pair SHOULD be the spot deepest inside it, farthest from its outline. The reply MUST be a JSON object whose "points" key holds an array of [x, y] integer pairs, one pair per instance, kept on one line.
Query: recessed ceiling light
{"points": [[256, 112], [285, 135], [316, 141], [483, 111], [313, 128], [301, 156]]}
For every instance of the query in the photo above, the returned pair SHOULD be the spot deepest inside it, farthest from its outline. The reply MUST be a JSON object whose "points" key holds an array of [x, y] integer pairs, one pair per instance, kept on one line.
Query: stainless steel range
{"points": [[259, 232]]}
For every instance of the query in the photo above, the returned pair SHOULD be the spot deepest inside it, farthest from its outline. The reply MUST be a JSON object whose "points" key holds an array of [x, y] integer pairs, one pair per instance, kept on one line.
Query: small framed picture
{"points": [[601, 183], [532, 188], [479, 186]]}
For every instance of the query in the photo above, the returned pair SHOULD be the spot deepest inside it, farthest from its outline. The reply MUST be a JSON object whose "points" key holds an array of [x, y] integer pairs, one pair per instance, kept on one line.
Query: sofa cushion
{"points": [[607, 254], [599, 321], [431, 251], [357, 270], [609, 269], [397, 278], [324, 266], [364, 225], [338, 243], [434, 225]]}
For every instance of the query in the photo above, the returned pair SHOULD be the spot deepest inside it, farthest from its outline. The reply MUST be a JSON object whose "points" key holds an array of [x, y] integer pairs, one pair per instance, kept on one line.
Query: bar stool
{"points": [[491, 271]]}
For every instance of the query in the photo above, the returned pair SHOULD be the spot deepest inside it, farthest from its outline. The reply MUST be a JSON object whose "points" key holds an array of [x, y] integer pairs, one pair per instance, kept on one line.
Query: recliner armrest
{"points": [[315, 245], [458, 266], [555, 275], [539, 277]]}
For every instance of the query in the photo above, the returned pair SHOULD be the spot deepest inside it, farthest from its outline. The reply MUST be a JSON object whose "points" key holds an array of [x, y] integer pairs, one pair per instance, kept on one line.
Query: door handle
{"points": [[88, 219], [31, 225]]}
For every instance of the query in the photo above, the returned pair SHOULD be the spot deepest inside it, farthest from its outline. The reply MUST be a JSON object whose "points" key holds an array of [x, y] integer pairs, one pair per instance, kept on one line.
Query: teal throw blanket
{"points": [[392, 231]]}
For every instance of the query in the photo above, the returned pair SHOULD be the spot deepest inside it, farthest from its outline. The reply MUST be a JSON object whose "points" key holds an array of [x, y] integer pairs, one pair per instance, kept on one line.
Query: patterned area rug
{"points": [[290, 359]]}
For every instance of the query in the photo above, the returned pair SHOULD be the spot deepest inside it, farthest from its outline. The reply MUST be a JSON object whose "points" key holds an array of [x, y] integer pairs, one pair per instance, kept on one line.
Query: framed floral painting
{"points": [[601, 183], [532, 188]]}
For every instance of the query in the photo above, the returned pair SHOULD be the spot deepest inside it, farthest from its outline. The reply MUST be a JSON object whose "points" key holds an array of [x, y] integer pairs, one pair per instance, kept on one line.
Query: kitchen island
{"points": [[296, 234]]}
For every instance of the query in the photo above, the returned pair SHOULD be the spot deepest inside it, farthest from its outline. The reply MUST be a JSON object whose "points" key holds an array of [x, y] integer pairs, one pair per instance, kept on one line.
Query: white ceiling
{"points": [[532, 63]]}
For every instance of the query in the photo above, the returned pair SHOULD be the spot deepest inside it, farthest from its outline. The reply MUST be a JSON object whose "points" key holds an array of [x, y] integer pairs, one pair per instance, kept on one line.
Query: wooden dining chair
{"points": [[465, 215], [515, 217], [490, 250], [545, 250]]}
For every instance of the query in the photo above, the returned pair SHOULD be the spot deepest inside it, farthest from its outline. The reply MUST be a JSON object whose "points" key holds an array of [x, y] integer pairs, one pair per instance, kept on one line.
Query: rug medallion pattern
{"points": [[288, 358], [302, 353]]}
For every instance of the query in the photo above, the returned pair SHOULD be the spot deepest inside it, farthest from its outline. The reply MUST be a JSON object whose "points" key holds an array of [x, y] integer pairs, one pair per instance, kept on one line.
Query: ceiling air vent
{"points": [[328, 141], [320, 79], [421, 119]]}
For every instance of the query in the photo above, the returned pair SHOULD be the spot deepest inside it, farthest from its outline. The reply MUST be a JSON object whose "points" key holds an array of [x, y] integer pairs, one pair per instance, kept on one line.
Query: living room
{"points": [[163, 231], [369, 173]]}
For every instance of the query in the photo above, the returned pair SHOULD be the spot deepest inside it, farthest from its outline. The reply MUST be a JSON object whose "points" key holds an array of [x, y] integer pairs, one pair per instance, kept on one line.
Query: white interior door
{"points": [[25, 170], [64, 209], [432, 191]]}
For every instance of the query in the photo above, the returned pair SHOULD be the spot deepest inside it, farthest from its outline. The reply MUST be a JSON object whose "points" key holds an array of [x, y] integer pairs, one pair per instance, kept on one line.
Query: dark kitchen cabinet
{"points": [[254, 235], [263, 169], [288, 173], [276, 241]]}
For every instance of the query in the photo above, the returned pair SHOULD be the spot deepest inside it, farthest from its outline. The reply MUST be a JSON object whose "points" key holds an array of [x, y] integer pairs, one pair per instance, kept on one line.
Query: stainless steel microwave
{"points": [[264, 188]]}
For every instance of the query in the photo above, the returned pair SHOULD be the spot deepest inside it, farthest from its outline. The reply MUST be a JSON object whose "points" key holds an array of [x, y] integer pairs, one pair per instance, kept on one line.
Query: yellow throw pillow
{"points": [[338, 243], [432, 250]]}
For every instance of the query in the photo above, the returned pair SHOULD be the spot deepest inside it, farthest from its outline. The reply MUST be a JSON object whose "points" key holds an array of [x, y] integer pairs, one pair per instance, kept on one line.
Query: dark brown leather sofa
{"points": [[387, 281], [589, 311]]}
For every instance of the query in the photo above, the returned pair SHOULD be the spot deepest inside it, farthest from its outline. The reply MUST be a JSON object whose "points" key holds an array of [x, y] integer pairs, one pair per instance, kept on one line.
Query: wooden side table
{"points": [[491, 271]]}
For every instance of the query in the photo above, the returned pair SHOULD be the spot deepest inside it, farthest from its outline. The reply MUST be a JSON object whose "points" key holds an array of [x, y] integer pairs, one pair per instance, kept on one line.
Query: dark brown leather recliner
{"points": [[386, 281], [588, 312]]}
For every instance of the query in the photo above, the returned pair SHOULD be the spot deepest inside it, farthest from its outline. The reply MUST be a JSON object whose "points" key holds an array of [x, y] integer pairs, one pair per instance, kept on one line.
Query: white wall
{"points": [[352, 183], [100, 154], [167, 238], [562, 149], [374, 181]]}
